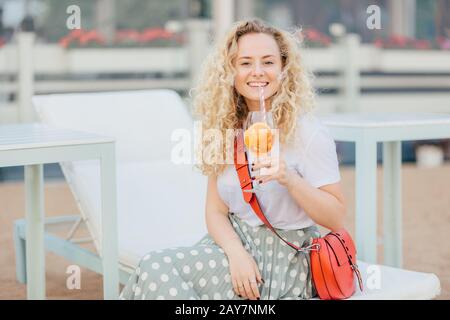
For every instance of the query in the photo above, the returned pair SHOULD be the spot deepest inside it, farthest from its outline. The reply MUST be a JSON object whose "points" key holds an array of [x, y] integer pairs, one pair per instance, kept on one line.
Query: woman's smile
{"points": [[255, 84]]}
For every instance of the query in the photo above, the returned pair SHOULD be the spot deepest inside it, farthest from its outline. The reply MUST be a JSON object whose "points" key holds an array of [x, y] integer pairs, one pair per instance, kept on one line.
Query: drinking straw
{"points": [[262, 105]]}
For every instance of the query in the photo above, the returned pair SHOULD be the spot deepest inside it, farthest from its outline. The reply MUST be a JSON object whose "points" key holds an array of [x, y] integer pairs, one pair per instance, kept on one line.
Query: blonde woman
{"points": [[240, 258]]}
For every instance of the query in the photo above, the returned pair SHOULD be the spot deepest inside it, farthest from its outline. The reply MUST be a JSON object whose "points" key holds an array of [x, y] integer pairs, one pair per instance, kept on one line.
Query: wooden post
{"points": [[351, 82], [245, 9], [25, 76], [223, 16], [105, 18], [109, 223], [34, 213], [392, 206], [403, 17], [198, 45]]}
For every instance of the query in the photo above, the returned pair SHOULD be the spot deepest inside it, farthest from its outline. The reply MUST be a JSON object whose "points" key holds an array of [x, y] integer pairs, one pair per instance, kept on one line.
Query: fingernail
{"points": [[253, 178], [263, 280], [252, 169], [260, 181], [239, 296], [258, 298], [253, 164]]}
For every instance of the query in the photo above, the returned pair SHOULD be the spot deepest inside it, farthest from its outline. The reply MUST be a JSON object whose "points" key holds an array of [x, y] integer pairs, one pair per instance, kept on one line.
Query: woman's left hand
{"points": [[278, 171]]}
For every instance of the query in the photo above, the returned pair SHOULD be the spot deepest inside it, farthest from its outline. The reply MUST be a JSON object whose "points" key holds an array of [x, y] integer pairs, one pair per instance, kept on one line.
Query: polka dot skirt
{"points": [[201, 271]]}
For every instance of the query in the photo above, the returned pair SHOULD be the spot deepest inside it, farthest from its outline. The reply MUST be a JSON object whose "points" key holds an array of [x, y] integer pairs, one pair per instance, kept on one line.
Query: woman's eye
{"points": [[245, 64], [269, 62]]}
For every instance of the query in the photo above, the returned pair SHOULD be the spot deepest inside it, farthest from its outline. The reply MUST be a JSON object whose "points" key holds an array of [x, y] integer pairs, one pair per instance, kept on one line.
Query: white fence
{"points": [[345, 68]]}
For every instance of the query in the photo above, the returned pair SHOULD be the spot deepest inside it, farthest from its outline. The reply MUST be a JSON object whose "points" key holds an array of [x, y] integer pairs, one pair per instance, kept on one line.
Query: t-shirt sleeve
{"points": [[321, 166]]}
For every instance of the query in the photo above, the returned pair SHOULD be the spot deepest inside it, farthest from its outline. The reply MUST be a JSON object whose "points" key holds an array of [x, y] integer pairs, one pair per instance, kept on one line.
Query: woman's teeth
{"points": [[258, 84]]}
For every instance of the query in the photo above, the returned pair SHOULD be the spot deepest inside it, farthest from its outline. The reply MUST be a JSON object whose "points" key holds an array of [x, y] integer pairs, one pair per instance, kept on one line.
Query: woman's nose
{"points": [[257, 70]]}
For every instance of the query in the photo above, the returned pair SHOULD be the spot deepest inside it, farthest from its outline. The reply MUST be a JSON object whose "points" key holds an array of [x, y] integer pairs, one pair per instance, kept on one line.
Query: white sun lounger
{"points": [[160, 204]]}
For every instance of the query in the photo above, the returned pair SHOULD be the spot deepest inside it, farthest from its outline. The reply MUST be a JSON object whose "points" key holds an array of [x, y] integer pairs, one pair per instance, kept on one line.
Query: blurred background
{"points": [[397, 63], [400, 65]]}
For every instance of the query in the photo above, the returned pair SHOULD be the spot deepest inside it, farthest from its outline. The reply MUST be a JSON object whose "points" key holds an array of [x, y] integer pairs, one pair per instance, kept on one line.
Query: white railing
{"points": [[343, 62], [53, 59]]}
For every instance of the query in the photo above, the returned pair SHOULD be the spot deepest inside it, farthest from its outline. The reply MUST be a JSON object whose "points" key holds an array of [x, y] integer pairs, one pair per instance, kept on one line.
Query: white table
{"points": [[32, 145], [365, 130]]}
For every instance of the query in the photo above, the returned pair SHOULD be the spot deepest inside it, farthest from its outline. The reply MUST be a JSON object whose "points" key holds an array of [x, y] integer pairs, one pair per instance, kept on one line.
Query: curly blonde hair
{"points": [[219, 106]]}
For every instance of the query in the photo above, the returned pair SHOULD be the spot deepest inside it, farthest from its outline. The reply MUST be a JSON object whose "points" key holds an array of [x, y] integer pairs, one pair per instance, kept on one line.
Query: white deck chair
{"points": [[160, 204]]}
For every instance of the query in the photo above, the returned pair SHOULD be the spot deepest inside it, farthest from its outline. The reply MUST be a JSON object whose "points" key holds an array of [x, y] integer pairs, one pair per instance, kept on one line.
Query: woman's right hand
{"points": [[245, 274]]}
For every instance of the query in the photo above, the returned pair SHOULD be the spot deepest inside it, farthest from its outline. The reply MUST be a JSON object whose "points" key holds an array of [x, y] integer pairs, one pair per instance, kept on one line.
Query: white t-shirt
{"points": [[313, 157]]}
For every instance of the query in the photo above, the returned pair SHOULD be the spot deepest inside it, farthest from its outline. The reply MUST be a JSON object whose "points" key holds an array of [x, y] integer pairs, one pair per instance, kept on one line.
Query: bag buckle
{"points": [[313, 247], [358, 275]]}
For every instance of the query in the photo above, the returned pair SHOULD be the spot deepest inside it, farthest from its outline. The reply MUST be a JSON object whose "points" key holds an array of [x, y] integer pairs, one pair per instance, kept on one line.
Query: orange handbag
{"points": [[333, 257]]}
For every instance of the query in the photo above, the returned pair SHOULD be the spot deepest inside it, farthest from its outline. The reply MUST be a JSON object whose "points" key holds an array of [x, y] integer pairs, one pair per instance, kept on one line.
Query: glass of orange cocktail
{"points": [[259, 139]]}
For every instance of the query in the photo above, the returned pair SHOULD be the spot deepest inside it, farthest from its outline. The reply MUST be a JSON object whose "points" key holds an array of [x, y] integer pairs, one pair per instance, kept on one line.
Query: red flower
{"points": [[314, 37], [379, 43], [91, 36], [422, 44], [127, 34], [151, 34], [444, 43], [73, 35], [312, 34], [399, 41], [84, 37], [325, 40]]}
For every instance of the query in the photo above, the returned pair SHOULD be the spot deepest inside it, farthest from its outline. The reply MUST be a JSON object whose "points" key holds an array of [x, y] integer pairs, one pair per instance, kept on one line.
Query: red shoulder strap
{"points": [[241, 164]]}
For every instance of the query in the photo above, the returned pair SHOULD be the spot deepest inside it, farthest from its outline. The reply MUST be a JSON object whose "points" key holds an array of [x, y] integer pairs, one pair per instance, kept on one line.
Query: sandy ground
{"points": [[426, 223]]}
